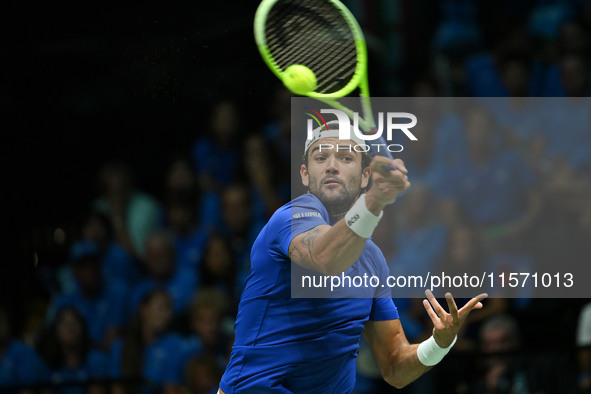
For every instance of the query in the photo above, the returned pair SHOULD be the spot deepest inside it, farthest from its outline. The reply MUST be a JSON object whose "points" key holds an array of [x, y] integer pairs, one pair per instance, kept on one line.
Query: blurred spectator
{"points": [[548, 16], [505, 370], [189, 235], [458, 32], [202, 375], [515, 75], [102, 303], [208, 337], [19, 364], [494, 188], [162, 272], [584, 344], [117, 262], [216, 155], [67, 350], [240, 227], [133, 213], [218, 268], [148, 349], [574, 38], [182, 189], [484, 75], [269, 182], [278, 131], [574, 72]]}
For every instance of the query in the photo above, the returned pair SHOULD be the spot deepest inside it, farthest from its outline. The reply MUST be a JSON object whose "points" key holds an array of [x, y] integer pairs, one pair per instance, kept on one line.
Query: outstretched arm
{"points": [[398, 360], [333, 249]]}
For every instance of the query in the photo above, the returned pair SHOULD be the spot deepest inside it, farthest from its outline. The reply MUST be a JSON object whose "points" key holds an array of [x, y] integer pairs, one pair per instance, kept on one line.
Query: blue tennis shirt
{"points": [[294, 345]]}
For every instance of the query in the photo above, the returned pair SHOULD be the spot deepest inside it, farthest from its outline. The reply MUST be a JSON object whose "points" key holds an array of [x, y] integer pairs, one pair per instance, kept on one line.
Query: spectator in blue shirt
{"points": [[102, 303], [182, 190], [67, 350], [208, 337], [216, 155], [162, 272], [241, 226], [218, 267], [134, 213], [148, 351], [494, 187], [19, 364]]}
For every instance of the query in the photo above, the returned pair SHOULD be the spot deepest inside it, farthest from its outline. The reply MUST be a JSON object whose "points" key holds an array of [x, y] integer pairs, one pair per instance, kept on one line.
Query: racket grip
{"points": [[383, 151]]}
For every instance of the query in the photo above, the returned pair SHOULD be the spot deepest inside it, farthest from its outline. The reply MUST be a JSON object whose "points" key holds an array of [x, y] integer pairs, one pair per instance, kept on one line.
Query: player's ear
{"points": [[304, 175], [365, 177]]}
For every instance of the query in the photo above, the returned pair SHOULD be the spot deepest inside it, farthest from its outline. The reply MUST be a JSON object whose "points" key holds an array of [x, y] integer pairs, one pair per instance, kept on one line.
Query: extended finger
{"points": [[451, 304], [438, 308], [473, 303], [431, 312]]}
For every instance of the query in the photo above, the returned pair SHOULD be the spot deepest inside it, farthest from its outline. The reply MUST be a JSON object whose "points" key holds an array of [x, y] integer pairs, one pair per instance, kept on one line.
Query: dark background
{"points": [[88, 82]]}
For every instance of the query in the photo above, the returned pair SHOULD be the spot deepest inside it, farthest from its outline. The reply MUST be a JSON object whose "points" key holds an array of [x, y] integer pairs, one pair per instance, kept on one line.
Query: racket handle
{"points": [[382, 152]]}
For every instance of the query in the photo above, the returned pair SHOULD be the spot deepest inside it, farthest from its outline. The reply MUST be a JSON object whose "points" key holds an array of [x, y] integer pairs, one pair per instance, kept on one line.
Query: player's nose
{"points": [[331, 165]]}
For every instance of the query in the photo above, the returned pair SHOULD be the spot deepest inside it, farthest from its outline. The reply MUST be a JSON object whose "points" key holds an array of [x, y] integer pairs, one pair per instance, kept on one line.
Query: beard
{"points": [[338, 199]]}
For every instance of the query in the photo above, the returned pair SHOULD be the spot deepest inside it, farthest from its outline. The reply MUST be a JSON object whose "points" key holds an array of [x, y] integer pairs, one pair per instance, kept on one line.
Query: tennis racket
{"points": [[324, 36]]}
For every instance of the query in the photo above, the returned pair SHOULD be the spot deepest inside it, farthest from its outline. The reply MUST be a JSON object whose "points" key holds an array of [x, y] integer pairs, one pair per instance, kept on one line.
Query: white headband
{"points": [[319, 133]]}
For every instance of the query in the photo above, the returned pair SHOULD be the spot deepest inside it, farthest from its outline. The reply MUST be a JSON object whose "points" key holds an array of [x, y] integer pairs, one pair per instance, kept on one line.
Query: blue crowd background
{"points": [[147, 146]]}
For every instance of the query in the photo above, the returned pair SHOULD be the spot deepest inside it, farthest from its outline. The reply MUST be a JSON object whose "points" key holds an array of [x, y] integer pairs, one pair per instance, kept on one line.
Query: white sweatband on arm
{"points": [[360, 220], [429, 352]]}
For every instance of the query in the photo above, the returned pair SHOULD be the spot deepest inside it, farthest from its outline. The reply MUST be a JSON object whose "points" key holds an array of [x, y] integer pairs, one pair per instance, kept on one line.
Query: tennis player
{"points": [[309, 345]]}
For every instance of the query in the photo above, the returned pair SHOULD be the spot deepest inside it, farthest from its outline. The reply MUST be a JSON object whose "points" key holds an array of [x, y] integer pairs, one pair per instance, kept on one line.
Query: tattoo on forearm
{"points": [[301, 251]]}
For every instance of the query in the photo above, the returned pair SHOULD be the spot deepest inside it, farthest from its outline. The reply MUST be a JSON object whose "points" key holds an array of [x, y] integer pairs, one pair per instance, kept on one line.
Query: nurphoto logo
{"points": [[387, 123]]}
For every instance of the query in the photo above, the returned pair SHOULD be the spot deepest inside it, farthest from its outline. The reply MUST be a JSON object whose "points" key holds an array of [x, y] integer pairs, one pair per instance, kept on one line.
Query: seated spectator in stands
{"points": [[218, 268], [494, 188], [216, 155], [181, 188], [484, 70], [147, 351], [133, 213], [116, 261], [208, 334], [240, 227], [162, 272], [66, 348], [189, 235], [505, 370], [269, 183], [574, 72], [19, 364], [573, 41], [584, 344], [102, 303], [278, 130], [202, 375]]}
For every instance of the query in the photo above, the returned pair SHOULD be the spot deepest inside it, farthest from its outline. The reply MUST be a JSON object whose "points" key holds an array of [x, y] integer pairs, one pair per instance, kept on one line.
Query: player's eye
{"points": [[320, 158]]}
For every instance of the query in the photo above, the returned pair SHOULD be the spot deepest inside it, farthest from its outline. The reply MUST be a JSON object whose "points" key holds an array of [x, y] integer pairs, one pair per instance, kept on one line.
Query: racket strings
{"points": [[313, 33]]}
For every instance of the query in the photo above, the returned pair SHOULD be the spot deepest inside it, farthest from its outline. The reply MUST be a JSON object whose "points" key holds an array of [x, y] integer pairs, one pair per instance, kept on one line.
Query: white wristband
{"points": [[360, 220], [429, 352]]}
